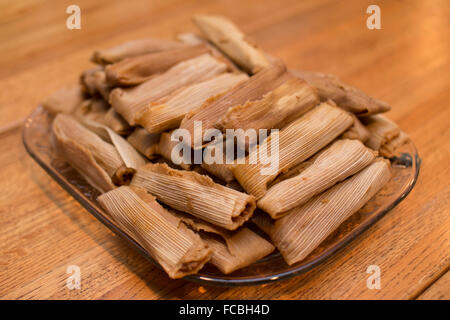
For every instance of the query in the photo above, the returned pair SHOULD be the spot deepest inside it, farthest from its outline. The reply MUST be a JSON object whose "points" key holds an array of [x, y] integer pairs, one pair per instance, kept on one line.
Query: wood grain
{"points": [[43, 230], [440, 290]]}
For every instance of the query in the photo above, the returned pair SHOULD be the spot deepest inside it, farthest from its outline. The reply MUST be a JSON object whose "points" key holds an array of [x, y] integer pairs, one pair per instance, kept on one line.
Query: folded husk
{"points": [[116, 122], [146, 143], [382, 130], [131, 102], [104, 153], [231, 250], [79, 157], [130, 157], [228, 38], [337, 162], [94, 82], [194, 39], [165, 149], [263, 221], [195, 194], [94, 109], [135, 70], [297, 234], [297, 142], [167, 113], [274, 110], [349, 98], [176, 248], [64, 100], [252, 89], [357, 131], [389, 149], [133, 48]]}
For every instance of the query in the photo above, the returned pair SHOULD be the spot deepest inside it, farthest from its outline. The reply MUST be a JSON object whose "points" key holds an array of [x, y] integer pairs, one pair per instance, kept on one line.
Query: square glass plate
{"points": [[406, 164]]}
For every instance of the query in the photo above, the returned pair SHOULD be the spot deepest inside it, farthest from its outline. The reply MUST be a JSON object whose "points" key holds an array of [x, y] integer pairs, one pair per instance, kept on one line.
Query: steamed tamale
{"points": [[131, 102], [169, 111], [351, 99], [135, 70], [195, 194], [305, 227], [296, 143], [133, 48], [176, 248], [339, 161]]}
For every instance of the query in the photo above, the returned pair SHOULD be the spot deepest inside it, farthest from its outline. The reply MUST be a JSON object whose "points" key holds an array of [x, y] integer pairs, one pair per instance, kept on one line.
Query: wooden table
{"points": [[407, 63]]}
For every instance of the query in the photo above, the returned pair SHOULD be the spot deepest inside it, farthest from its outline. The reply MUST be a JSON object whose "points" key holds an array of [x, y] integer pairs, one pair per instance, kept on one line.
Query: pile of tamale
{"points": [[115, 128]]}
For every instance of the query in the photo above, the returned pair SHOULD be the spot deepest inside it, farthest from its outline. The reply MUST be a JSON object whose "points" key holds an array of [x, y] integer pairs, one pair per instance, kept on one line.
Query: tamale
{"points": [[104, 153], [176, 248], [275, 109], [80, 158], [305, 227], [216, 164], [116, 122], [64, 100], [382, 130], [231, 250], [169, 111], [131, 102], [349, 98], [297, 142], [195, 194], [339, 161], [146, 143], [356, 131], [165, 148], [94, 82], [133, 48], [252, 89], [135, 70], [228, 38]]}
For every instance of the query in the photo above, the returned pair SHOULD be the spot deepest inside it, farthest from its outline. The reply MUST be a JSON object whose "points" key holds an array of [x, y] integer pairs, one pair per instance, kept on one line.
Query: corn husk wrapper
{"points": [[228, 38], [135, 70], [165, 147], [94, 109], [389, 149], [339, 161], [357, 131], [263, 221], [116, 122], [382, 130], [195, 39], [297, 234], [351, 99], [64, 100], [176, 248], [195, 194], [167, 113], [130, 157], [297, 142], [146, 143], [79, 156], [219, 170], [231, 250], [131, 102], [133, 48], [94, 83], [252, 89], [274, 110], [104, 153]]}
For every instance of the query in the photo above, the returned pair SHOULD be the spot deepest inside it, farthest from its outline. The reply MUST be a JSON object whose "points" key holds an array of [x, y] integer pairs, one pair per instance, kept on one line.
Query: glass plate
{"points": [[406, 164]]}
